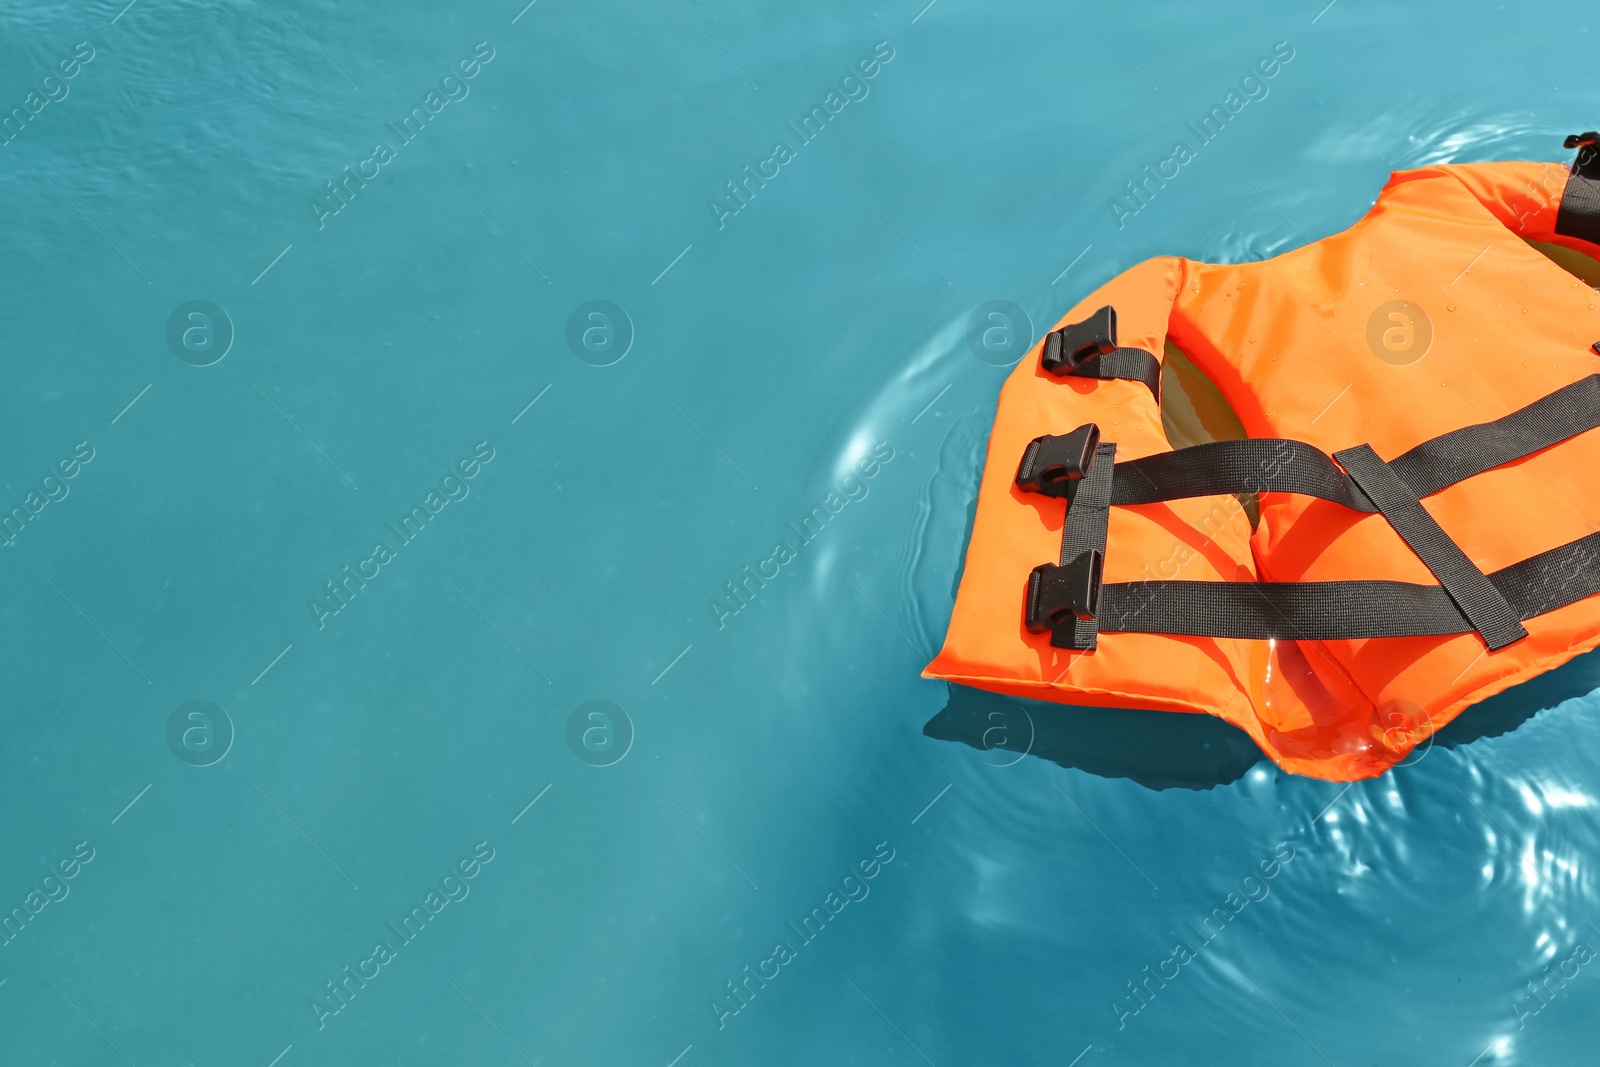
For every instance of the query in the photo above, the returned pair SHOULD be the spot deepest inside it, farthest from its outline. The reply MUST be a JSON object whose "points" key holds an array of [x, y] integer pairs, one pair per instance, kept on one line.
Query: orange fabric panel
{"points": [[1305, 346], [1014, 531], [1525, 197]]}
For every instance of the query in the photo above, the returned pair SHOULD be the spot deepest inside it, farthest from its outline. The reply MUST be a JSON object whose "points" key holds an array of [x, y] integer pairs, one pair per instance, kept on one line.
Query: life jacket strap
{"points": [[1347, 610], [1057, 602], [1472, 592], [1579, 214], [1280, 465], [1089, 349], [1082, 468], [1248, 465]]}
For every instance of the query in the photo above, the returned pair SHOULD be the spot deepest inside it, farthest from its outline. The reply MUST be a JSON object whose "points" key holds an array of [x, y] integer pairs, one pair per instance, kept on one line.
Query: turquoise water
{"points": [[348, 504]]}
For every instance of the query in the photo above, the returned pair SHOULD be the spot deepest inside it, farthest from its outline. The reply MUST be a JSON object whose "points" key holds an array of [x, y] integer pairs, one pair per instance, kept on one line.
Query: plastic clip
{"points": [[1067, 349], [1057, 596], [1053, 462]]}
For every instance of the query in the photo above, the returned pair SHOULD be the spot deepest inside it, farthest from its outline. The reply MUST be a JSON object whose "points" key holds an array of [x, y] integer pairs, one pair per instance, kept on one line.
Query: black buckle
{"points": [[1587, 163], [1053, 462], [1067, 349], [1058, 596]]}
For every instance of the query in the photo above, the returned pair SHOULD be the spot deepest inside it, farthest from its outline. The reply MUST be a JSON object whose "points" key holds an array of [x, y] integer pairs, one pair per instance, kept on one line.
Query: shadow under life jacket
{"points": [[1417, 395]]}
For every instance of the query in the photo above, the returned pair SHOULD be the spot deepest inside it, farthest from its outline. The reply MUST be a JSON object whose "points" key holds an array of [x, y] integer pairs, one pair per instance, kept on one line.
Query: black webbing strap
{"points": [[1134, 364], [1466, 600], [1258, 464], [1249, 465], [1472, 592], [1579, 215], [1088, 511], [1461, 454], [1347, 610]]}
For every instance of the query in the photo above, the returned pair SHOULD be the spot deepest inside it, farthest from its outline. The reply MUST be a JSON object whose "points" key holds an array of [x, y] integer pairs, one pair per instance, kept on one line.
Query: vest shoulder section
{"points": [[1524, 196]]}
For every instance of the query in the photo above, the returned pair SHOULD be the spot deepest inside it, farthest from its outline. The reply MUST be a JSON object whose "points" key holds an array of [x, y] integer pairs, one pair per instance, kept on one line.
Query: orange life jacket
{"points": [[1415, 394]]}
